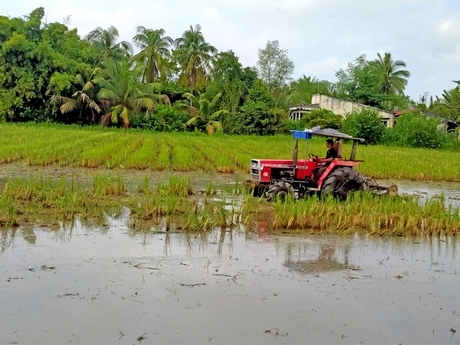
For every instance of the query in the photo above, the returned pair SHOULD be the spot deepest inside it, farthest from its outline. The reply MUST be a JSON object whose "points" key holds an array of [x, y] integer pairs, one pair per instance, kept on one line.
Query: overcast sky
{"points": [[322, 36]]}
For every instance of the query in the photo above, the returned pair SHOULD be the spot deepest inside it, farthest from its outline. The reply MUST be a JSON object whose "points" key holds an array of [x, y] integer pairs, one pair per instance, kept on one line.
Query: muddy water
{"points": [[110, 286], [428, 189], [132, 178]]}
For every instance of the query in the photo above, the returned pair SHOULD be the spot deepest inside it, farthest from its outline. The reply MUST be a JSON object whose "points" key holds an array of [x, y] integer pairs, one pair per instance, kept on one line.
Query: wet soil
{"points": [[428, 189], [111, 286], [85, 176]]}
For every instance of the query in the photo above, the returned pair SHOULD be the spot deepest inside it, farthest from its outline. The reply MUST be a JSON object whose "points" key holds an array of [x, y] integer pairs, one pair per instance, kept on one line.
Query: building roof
{"points": [[304, 106]]}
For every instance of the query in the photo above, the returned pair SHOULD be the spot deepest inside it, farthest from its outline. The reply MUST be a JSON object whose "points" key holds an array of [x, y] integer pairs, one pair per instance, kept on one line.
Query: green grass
{"points": [[173, 205], [49, 202], [95, 147], [377, 215]]}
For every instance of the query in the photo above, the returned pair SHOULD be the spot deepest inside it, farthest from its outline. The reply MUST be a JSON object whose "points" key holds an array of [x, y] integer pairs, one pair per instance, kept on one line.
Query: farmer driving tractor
{"points": [[275, 179], [331, 154]]}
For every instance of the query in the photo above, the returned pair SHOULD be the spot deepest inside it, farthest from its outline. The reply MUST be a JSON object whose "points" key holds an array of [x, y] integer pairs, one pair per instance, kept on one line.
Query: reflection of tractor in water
{"points": [[325, 261], [277, 178]]}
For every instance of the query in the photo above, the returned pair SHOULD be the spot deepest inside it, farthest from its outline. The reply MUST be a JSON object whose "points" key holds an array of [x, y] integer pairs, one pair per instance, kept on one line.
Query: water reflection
{"points": [[315, 257], [217, 242], [7, 237], [28, 234], [302, 253]]}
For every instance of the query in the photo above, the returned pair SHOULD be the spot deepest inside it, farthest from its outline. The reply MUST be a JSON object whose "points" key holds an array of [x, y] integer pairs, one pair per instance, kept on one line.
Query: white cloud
{"points": [[321, 36]]}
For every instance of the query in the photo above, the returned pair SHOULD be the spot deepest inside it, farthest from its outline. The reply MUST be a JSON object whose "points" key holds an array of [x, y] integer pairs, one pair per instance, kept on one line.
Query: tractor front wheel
{"points": [[279, 192]]}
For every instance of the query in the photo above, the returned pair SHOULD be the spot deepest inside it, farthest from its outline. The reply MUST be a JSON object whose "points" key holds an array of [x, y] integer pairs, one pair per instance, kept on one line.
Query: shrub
{"points": [[291, 125], [365, 124], [256, 118], [317, 117], [323, 118], [162, 119], [416, 130]]}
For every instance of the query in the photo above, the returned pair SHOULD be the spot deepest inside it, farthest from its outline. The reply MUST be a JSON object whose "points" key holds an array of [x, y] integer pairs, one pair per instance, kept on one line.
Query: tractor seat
{"points": [[338, 148]]}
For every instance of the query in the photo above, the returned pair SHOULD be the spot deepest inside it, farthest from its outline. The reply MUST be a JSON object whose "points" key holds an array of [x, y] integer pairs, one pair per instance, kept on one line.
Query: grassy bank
{"points": [[174, 206], [105, 148]]}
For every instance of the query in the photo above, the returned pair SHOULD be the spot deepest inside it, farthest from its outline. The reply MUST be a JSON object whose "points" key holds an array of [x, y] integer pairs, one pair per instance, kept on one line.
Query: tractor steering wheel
{"points": [[312, 156]]}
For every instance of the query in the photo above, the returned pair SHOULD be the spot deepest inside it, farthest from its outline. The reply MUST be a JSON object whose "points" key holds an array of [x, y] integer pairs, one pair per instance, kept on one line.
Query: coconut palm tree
{"points": [[195, 57], [123, 92], [449, 104], [394, 79], [106, 42], [154, 46], [83, 99], [303, 89], [200, 110]]}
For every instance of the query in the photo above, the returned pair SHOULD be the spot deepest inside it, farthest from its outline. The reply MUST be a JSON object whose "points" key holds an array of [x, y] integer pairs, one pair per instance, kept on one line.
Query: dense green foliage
{"points": [[37, 60], [365, 124], [161, 119], [415, 130], [49, 73], [317, 117], [449, 104]]}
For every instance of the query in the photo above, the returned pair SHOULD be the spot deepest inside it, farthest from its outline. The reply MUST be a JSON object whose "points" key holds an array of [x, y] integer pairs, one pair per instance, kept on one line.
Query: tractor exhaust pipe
{"points": [[295, 156]]}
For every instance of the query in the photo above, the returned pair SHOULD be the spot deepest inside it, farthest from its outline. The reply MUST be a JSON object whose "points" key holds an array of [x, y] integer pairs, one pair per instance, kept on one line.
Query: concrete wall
{"points": [[341, 107]]}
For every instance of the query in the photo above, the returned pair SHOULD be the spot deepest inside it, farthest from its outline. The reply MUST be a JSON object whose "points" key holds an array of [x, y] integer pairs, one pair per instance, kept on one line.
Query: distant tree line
{"points": [[49, 73]]}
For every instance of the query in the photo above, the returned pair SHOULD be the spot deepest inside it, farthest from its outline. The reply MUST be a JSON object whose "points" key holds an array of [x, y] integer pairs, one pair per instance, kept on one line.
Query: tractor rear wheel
{"points": [[342, 181]]}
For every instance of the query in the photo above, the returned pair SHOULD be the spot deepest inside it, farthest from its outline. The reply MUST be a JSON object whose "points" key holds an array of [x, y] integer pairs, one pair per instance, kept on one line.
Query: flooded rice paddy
{"points": [[201, 180], [111, 286]]}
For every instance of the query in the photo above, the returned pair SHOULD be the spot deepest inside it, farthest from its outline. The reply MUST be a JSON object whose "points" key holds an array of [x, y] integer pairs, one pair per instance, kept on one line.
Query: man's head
{"points": [[329, 143]]}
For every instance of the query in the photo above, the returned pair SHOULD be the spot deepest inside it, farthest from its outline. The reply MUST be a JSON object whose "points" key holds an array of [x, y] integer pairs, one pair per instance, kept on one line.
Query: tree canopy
{"points": [[48, 72], [274, 66]]}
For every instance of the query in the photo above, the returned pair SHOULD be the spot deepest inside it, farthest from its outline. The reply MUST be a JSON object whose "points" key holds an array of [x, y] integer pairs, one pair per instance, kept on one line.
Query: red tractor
{"points": [[277, 178]]}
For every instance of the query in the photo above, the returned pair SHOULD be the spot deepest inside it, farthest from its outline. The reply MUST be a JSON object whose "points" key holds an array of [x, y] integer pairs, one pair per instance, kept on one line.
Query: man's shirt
{"points": [[331, 153]]}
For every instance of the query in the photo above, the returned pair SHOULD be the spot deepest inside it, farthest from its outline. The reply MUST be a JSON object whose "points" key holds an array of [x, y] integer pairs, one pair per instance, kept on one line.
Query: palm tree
{"points": [[303, 89], [83, 99], [200, 110], [154, 52], [394, 79], [195, 57], [123, 91], [281, 98], [449, 104], [106, 42]]}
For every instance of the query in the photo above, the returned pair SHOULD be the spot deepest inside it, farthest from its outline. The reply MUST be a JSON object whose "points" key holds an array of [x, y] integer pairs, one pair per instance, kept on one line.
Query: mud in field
{"points": [[109, 286], [85, 176], [428, 189]]}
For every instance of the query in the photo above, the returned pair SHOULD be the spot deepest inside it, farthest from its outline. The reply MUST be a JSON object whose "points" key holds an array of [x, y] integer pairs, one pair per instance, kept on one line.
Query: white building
{"points": [[339, 107]]}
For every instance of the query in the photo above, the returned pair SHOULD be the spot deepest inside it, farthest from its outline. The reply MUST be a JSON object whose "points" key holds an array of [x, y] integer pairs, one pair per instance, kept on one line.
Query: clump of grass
{"points": [[104, 186], [39, 201], [144, 186], [176, 185], [365, 212], [210, 189], [173, 206]]}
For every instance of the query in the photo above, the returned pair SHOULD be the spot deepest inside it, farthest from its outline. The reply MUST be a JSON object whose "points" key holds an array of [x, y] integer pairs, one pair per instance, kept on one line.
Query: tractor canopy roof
{"points": [[326, 132]]}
